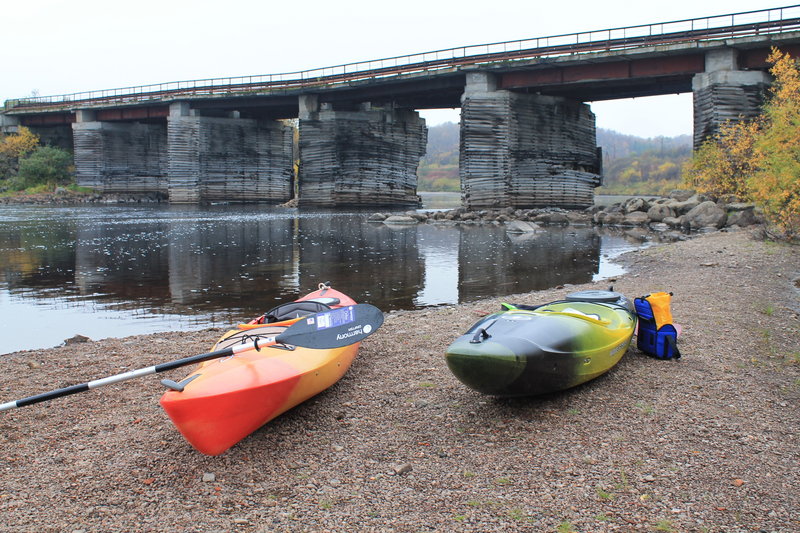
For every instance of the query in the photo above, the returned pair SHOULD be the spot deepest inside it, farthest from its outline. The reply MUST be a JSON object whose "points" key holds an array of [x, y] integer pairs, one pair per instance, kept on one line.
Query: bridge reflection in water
{"points": [[117, 271]]}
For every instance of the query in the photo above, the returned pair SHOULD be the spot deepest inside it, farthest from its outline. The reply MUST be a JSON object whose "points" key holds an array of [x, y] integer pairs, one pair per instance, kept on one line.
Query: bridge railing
{"points": [[748, 23]]}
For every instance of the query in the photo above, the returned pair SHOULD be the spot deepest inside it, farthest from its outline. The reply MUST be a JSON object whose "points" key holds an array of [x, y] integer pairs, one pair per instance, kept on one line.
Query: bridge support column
{"points": [[359, 158], [723, 93], [525, 150], [8, 125], [120, 157], [228, 159]]}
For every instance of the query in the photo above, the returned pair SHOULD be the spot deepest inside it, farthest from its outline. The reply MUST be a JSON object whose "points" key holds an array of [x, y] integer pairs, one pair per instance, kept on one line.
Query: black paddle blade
{"points": [[335, 328]]}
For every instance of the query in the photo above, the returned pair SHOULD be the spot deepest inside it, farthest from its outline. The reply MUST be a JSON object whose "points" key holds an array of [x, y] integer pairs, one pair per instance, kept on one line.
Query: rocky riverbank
{"points": [[708, 443], [63, 196], [669, 217]]}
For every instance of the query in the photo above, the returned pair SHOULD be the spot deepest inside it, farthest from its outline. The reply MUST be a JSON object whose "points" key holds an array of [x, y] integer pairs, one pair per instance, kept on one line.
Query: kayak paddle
{"points": [[330, 329]]}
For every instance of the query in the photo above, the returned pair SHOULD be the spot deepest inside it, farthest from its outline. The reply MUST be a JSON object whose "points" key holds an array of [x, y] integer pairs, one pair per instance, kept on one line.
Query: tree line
{"points": [[631, 165]]}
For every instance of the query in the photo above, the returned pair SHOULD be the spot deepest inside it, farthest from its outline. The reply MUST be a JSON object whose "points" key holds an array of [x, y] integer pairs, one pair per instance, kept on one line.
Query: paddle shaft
{"points": [[125, 376], [330, 329]]}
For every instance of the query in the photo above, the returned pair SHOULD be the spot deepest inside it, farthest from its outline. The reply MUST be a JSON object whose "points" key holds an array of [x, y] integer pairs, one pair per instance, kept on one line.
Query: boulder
{"points": [[609, 218], [551, 218], [578, 218], [659, 212], [399, 220], [77, 339], [632, 205], [704, 215], [419, 217], [683, 207], [521, 226], [741, 215], [673, 222], [636, 218], [377, 217], [681, 195]]}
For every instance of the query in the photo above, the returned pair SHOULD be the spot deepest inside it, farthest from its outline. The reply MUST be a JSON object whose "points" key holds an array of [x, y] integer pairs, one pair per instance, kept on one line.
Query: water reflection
{"points": [[116, 271]]}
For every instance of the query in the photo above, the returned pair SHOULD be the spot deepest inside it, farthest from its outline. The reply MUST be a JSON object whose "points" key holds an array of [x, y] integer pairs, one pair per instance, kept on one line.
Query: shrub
{"points": [[46, 165], [13, 148]]}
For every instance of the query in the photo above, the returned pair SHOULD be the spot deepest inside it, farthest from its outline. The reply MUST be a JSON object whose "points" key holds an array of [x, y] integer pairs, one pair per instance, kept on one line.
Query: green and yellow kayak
{"points": [[525, 351]]}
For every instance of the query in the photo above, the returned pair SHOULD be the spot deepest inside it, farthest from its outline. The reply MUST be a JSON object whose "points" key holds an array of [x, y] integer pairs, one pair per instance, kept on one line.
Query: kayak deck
{"points": [[224, 400], [529, 352]]}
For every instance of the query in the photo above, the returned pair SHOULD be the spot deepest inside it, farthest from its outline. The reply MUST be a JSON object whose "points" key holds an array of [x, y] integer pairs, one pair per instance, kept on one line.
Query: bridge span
{"points": [[527, 131]]}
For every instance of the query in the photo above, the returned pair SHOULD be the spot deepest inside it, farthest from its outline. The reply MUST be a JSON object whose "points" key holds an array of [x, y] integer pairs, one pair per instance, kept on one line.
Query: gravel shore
{"points": [[706, 443]]}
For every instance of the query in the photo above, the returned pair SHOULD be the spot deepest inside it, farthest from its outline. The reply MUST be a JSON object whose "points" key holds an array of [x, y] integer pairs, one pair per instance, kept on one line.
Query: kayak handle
{"points": [[480, 336]]}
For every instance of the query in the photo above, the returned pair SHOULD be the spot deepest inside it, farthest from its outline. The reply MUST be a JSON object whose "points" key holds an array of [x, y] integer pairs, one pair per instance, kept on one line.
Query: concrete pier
{"points": [[120, 157], [723, 92], [525, 150], [366, 157], [213, 159]]}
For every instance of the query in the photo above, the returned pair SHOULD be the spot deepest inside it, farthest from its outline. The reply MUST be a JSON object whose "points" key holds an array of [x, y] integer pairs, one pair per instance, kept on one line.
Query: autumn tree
{"points": [[14, 147], [723, 164], [776, 183], [759, 159]]}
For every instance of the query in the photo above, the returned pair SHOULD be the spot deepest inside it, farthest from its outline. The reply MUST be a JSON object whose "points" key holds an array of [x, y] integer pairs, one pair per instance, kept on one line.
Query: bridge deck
{"points": [[760, 26]]}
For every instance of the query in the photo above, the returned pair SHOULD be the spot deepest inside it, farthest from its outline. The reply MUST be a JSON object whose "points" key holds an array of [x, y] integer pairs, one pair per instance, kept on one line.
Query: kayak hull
{"points": [[225, 400], [552, 348]]}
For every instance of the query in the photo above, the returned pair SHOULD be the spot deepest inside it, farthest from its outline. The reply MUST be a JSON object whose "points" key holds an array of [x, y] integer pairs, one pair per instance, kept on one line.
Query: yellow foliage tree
{"points": [[723, 164], [776, 183], [19, 144]]}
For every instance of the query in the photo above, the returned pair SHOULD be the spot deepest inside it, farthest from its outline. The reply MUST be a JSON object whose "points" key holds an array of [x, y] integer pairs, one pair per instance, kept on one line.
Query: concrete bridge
{"points": [[527, 133]]}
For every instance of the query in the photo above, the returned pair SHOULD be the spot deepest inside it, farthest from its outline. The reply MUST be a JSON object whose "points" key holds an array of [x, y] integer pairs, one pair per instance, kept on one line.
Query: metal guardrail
{"points": [[748, 23]]}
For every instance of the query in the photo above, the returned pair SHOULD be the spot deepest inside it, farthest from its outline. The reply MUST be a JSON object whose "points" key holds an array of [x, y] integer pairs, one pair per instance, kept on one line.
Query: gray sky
{"points": [[62, 46]]}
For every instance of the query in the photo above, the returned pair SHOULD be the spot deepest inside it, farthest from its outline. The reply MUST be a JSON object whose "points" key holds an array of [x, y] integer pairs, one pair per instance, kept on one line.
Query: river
{"points": [[114, 271]]}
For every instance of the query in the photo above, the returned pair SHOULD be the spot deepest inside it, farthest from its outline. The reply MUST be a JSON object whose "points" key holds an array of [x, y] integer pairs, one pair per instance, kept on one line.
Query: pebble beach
{"points": [[708, 443]]}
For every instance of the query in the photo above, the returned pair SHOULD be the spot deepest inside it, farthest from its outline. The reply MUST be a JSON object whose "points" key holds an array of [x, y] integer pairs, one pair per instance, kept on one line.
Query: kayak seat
{"points": [[293, 310]]}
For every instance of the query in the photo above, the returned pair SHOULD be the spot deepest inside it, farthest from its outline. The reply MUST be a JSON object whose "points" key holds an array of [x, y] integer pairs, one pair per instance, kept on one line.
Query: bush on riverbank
{"points": [[27, 166]]}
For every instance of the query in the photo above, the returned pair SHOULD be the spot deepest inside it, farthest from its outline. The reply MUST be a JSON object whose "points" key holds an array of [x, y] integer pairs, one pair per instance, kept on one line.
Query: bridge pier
{"points": [[227, 158], [366, 157], [120, 157], [8, 124], [723, 92], [525, 150]]}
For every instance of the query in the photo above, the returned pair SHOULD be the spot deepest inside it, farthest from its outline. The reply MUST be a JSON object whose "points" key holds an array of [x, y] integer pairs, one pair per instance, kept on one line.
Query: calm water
{"points": [[124, 270]]}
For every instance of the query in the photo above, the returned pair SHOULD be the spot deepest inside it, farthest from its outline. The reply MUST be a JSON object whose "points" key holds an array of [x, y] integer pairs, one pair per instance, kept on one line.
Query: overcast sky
{"points": [[54, 47]]}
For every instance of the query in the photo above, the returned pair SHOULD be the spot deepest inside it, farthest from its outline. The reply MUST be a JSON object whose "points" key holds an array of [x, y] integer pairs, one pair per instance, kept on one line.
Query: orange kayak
{"points": [[225, 400]]}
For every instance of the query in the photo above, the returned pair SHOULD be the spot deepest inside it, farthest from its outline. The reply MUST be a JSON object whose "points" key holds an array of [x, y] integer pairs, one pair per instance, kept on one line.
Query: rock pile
{"points": [[682, 211], [63, 196]]}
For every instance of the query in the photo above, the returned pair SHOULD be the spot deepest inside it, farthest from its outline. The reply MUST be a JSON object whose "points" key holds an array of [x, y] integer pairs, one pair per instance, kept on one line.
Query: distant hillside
{"points": [[631, 165], [438, 170]]}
